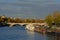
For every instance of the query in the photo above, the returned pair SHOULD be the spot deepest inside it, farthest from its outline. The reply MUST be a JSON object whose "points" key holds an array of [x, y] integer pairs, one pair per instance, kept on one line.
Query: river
{"points": [[20, 33]]}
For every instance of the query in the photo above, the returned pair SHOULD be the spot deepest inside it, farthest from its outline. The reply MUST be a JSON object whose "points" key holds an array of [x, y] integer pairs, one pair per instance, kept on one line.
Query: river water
{"points": [[20, 33]]}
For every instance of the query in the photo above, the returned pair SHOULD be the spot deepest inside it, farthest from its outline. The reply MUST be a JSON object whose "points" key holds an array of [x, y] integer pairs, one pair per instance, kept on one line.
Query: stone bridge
{"points": [[21, 24]]}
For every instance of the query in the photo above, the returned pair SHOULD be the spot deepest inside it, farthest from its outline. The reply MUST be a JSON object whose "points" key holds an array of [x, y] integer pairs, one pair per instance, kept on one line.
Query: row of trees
{"points": [[53, 19], [19, 20]]}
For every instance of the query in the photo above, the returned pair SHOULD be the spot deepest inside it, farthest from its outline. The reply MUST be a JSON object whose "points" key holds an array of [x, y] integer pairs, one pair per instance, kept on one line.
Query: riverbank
{"points": [[2, 24], [44, 29], [47, 31]]}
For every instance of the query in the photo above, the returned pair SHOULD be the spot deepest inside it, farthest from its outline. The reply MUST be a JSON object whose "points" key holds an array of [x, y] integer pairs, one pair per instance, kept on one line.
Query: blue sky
{"points": [[28, 8]]}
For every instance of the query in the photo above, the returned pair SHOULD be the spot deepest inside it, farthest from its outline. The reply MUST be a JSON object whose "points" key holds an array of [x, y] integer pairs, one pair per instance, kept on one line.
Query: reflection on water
{"points": [[30, 34], [53, 37], [19, 33], [58, 37]]}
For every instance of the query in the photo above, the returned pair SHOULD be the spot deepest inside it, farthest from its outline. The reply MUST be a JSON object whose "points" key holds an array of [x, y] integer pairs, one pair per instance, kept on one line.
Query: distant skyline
{"points": [[28, 8]]}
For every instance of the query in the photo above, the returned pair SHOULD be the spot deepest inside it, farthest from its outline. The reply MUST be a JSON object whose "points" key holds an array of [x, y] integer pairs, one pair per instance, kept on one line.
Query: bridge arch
{"points": [[24, 24], [14, 24]]}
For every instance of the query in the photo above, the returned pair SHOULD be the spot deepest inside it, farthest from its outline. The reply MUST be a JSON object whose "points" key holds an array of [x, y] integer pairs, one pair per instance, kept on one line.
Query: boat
{"points": [[30, 27]]}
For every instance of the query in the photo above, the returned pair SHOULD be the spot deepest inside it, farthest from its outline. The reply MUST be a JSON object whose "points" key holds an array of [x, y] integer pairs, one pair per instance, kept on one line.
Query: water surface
{"points": [[20, 33]]}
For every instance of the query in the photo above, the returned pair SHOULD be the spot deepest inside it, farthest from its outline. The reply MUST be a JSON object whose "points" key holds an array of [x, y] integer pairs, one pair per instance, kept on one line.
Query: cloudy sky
{"points": [[28, 8]]}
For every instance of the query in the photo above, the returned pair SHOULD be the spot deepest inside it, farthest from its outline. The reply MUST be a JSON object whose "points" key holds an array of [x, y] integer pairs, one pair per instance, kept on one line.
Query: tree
{"points": [[41, 20], [32, 21], [53, 18], [27, 20], [10, 19], [49, 19], [56, 16]]}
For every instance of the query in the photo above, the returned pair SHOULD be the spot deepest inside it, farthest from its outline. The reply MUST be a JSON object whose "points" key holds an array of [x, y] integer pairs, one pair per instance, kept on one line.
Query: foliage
{"points": [[55, 18], [49, 19]]}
